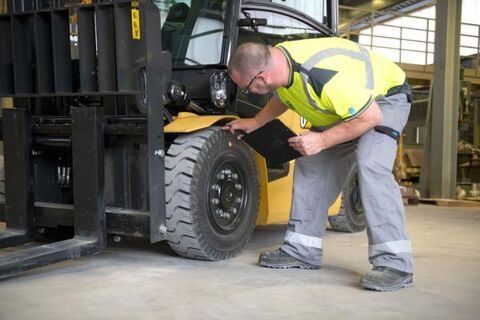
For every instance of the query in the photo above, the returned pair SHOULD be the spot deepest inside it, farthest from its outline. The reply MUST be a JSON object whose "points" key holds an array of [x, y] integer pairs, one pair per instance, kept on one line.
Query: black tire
{"points": [[351, 217], [212, 194], [2, 179]]}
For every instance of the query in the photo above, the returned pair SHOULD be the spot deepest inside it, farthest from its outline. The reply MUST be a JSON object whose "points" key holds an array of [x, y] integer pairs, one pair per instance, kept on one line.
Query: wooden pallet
{"points": [[450, 202], [473, 199]]}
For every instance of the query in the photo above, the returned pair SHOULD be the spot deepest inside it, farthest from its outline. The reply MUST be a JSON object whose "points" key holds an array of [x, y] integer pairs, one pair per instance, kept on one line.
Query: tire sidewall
{"points": [[223, 146], [351, 216]]}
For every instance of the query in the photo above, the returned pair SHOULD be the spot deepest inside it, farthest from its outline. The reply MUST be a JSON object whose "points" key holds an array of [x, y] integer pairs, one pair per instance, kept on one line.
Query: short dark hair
{"points": [[249, 58]]}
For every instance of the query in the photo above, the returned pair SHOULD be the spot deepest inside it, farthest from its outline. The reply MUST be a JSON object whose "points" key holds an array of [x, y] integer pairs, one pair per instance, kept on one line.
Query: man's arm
{"points": [[272, 110], [311, 142]]}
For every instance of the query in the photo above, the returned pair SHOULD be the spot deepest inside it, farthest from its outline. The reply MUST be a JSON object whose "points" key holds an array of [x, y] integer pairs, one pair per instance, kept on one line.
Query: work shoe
{"points": [[279, 259], [386, 279]]}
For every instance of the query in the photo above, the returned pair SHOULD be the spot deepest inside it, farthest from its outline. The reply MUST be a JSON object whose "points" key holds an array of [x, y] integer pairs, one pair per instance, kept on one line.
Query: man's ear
{"points": [[264, 78]]}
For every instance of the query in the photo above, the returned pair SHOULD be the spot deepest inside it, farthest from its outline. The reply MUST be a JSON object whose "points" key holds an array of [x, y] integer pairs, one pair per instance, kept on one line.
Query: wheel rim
{"points": [[227, 197]]}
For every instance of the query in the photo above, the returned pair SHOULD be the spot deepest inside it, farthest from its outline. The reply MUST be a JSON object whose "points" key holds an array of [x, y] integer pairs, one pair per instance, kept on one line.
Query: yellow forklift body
{"points": [[275, 200], [187, 122]]}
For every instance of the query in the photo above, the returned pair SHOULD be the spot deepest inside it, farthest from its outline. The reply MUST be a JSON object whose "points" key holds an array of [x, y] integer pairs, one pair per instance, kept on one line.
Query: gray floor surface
{"points": [[137, 280]]}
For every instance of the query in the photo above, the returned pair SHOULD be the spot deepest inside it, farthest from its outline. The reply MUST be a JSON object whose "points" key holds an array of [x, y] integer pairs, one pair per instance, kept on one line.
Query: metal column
{"points": [[439, 167], [88, 134]]}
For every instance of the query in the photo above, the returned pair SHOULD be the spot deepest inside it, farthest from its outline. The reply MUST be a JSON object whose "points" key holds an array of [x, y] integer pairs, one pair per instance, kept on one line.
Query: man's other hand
{"points": [[308, 143]]}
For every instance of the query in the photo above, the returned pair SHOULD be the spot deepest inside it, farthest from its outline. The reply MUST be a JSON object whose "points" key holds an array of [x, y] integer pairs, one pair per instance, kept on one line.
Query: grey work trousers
{"points": [[318, 180]]}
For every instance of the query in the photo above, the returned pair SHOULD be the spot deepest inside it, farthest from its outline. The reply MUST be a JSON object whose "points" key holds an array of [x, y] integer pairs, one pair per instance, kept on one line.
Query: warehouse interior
{"points": [[84, 223]]}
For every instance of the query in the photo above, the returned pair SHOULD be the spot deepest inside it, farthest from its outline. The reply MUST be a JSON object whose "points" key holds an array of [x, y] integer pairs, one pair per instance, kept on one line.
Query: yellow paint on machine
{"points": [[6, 103], [263, 211], [279, 198], [136, 34], [187, 122]]}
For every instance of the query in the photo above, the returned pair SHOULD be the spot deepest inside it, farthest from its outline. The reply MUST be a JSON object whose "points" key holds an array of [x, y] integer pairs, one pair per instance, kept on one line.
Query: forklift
{"points": [[116, 126]]}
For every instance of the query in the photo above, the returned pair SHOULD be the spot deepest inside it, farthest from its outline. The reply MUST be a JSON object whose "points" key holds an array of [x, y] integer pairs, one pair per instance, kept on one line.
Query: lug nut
{"points": [[219, 212], [234, 210], [227, 171], [234, 176], [238, 186], [238, 200], [216, 187], [215, 201], [162, 229], [220, 176]]}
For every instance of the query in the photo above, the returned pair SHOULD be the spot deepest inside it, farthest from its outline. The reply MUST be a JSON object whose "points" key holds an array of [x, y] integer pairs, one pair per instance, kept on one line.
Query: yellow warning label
{"points": [[136, 24]]}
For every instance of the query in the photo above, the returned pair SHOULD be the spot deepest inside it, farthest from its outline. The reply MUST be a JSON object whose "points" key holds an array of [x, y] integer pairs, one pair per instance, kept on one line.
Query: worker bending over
{"points": [[358, 103]]}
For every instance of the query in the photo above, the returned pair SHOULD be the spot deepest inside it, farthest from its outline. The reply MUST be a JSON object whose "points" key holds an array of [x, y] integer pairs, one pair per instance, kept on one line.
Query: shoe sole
{"points": [[395, 287], [292, 266]]}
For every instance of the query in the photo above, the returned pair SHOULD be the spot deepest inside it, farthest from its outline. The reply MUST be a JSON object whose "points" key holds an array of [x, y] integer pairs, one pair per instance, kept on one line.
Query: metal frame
{"points": [[36, 33], [89, 208], [381, 18]]}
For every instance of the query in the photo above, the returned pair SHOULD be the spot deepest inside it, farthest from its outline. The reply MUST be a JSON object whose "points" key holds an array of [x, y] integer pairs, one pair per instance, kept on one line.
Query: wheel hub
{"points": [[226, 196]]}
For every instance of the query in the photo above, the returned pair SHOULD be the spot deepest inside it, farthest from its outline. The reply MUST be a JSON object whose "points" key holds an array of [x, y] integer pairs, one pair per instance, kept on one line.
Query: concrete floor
{"points": [[136, 280]]}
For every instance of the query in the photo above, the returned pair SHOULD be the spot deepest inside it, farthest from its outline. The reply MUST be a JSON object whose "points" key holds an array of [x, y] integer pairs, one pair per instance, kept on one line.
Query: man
{"points": [[358, 103]]}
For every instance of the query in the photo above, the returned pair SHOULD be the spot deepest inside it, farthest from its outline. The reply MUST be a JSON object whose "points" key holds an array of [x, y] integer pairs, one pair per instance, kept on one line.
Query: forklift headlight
{"points": [[219, 89], [177, 92]]}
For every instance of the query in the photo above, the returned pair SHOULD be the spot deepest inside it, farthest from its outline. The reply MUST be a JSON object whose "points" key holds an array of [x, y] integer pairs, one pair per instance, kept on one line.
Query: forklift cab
{"points": [[201, 35]]}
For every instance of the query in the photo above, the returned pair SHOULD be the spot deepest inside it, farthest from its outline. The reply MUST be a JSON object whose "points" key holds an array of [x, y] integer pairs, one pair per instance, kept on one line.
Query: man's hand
{"points": [[246, 125], [308, 143], [273, 109]]}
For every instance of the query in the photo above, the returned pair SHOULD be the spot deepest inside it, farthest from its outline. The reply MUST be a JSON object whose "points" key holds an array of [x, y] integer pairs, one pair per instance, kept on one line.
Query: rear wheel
{"points": [[351, 217], [212, 194], [2, 179]]}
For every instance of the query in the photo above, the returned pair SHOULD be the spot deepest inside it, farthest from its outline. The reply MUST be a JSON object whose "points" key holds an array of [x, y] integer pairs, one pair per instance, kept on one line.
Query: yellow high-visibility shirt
{"points": [[334, 79]]}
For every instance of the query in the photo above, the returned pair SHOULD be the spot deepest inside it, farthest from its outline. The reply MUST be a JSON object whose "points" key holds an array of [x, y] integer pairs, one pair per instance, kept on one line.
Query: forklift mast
{"points": [[71, 97]]}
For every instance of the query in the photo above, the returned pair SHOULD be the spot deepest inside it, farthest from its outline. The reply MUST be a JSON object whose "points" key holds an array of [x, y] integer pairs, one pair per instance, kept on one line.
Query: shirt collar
{"points": [[291, 66]]}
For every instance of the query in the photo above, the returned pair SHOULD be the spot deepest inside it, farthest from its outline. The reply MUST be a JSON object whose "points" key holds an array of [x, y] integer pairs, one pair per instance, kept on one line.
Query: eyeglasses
{"points": [[247, 88]]}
